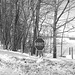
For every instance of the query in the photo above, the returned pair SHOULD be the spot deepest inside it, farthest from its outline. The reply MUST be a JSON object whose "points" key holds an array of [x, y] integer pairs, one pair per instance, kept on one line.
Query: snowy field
{"points": [[32, 65]]}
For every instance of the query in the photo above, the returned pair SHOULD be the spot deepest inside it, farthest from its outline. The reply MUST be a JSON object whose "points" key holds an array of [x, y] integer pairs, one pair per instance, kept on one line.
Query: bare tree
{"points": [[14, 36], [36, 23], [58, 8], [26, 24], [56, 20]]}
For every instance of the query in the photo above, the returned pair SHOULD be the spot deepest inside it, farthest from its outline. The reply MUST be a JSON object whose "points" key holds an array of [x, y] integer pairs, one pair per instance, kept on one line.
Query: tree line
{"points": [[23, 21]]}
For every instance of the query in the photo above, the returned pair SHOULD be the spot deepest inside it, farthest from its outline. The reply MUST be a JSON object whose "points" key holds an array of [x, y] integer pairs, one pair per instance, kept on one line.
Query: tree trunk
{"points": [[34, 38], [4, 23], [50, 41], [23, 45], [14, 39], [54, 44], [54, 32], [24, 50]]}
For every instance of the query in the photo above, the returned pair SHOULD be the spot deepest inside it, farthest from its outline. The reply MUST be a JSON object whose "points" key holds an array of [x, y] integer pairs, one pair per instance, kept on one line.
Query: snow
{"points": [[14, 63], [39, 60], [69, 56]]}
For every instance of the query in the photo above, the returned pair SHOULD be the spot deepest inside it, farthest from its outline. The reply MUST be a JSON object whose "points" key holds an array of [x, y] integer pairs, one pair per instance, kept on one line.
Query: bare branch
{"points": [[42, 23], [59, 3], [66, 22], [67, 30], [49, 24], [63, 11]]}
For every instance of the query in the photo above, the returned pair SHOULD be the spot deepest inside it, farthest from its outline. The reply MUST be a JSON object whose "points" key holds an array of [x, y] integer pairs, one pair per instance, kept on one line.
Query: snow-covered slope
{"points": [[31, 65]]}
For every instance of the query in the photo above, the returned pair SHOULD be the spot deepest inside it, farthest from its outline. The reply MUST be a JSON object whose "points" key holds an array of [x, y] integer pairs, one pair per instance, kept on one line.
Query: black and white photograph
{"points": [[37, 37]]}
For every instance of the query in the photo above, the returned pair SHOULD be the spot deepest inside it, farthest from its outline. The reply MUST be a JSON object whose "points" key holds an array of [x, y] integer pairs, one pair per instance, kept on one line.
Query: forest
{"points": [[23, 21]]}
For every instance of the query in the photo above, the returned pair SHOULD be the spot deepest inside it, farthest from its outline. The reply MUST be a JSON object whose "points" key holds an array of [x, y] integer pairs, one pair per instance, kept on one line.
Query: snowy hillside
{"points": [[31, 65]]}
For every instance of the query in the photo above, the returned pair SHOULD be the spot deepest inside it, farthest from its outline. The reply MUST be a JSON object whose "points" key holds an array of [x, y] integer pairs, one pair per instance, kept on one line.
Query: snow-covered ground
{"points": [[32, 65]]}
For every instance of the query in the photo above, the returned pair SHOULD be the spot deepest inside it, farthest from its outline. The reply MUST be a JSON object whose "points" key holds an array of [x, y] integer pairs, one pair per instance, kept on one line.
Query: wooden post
{"points": [[69, 50], [72, 52]]}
